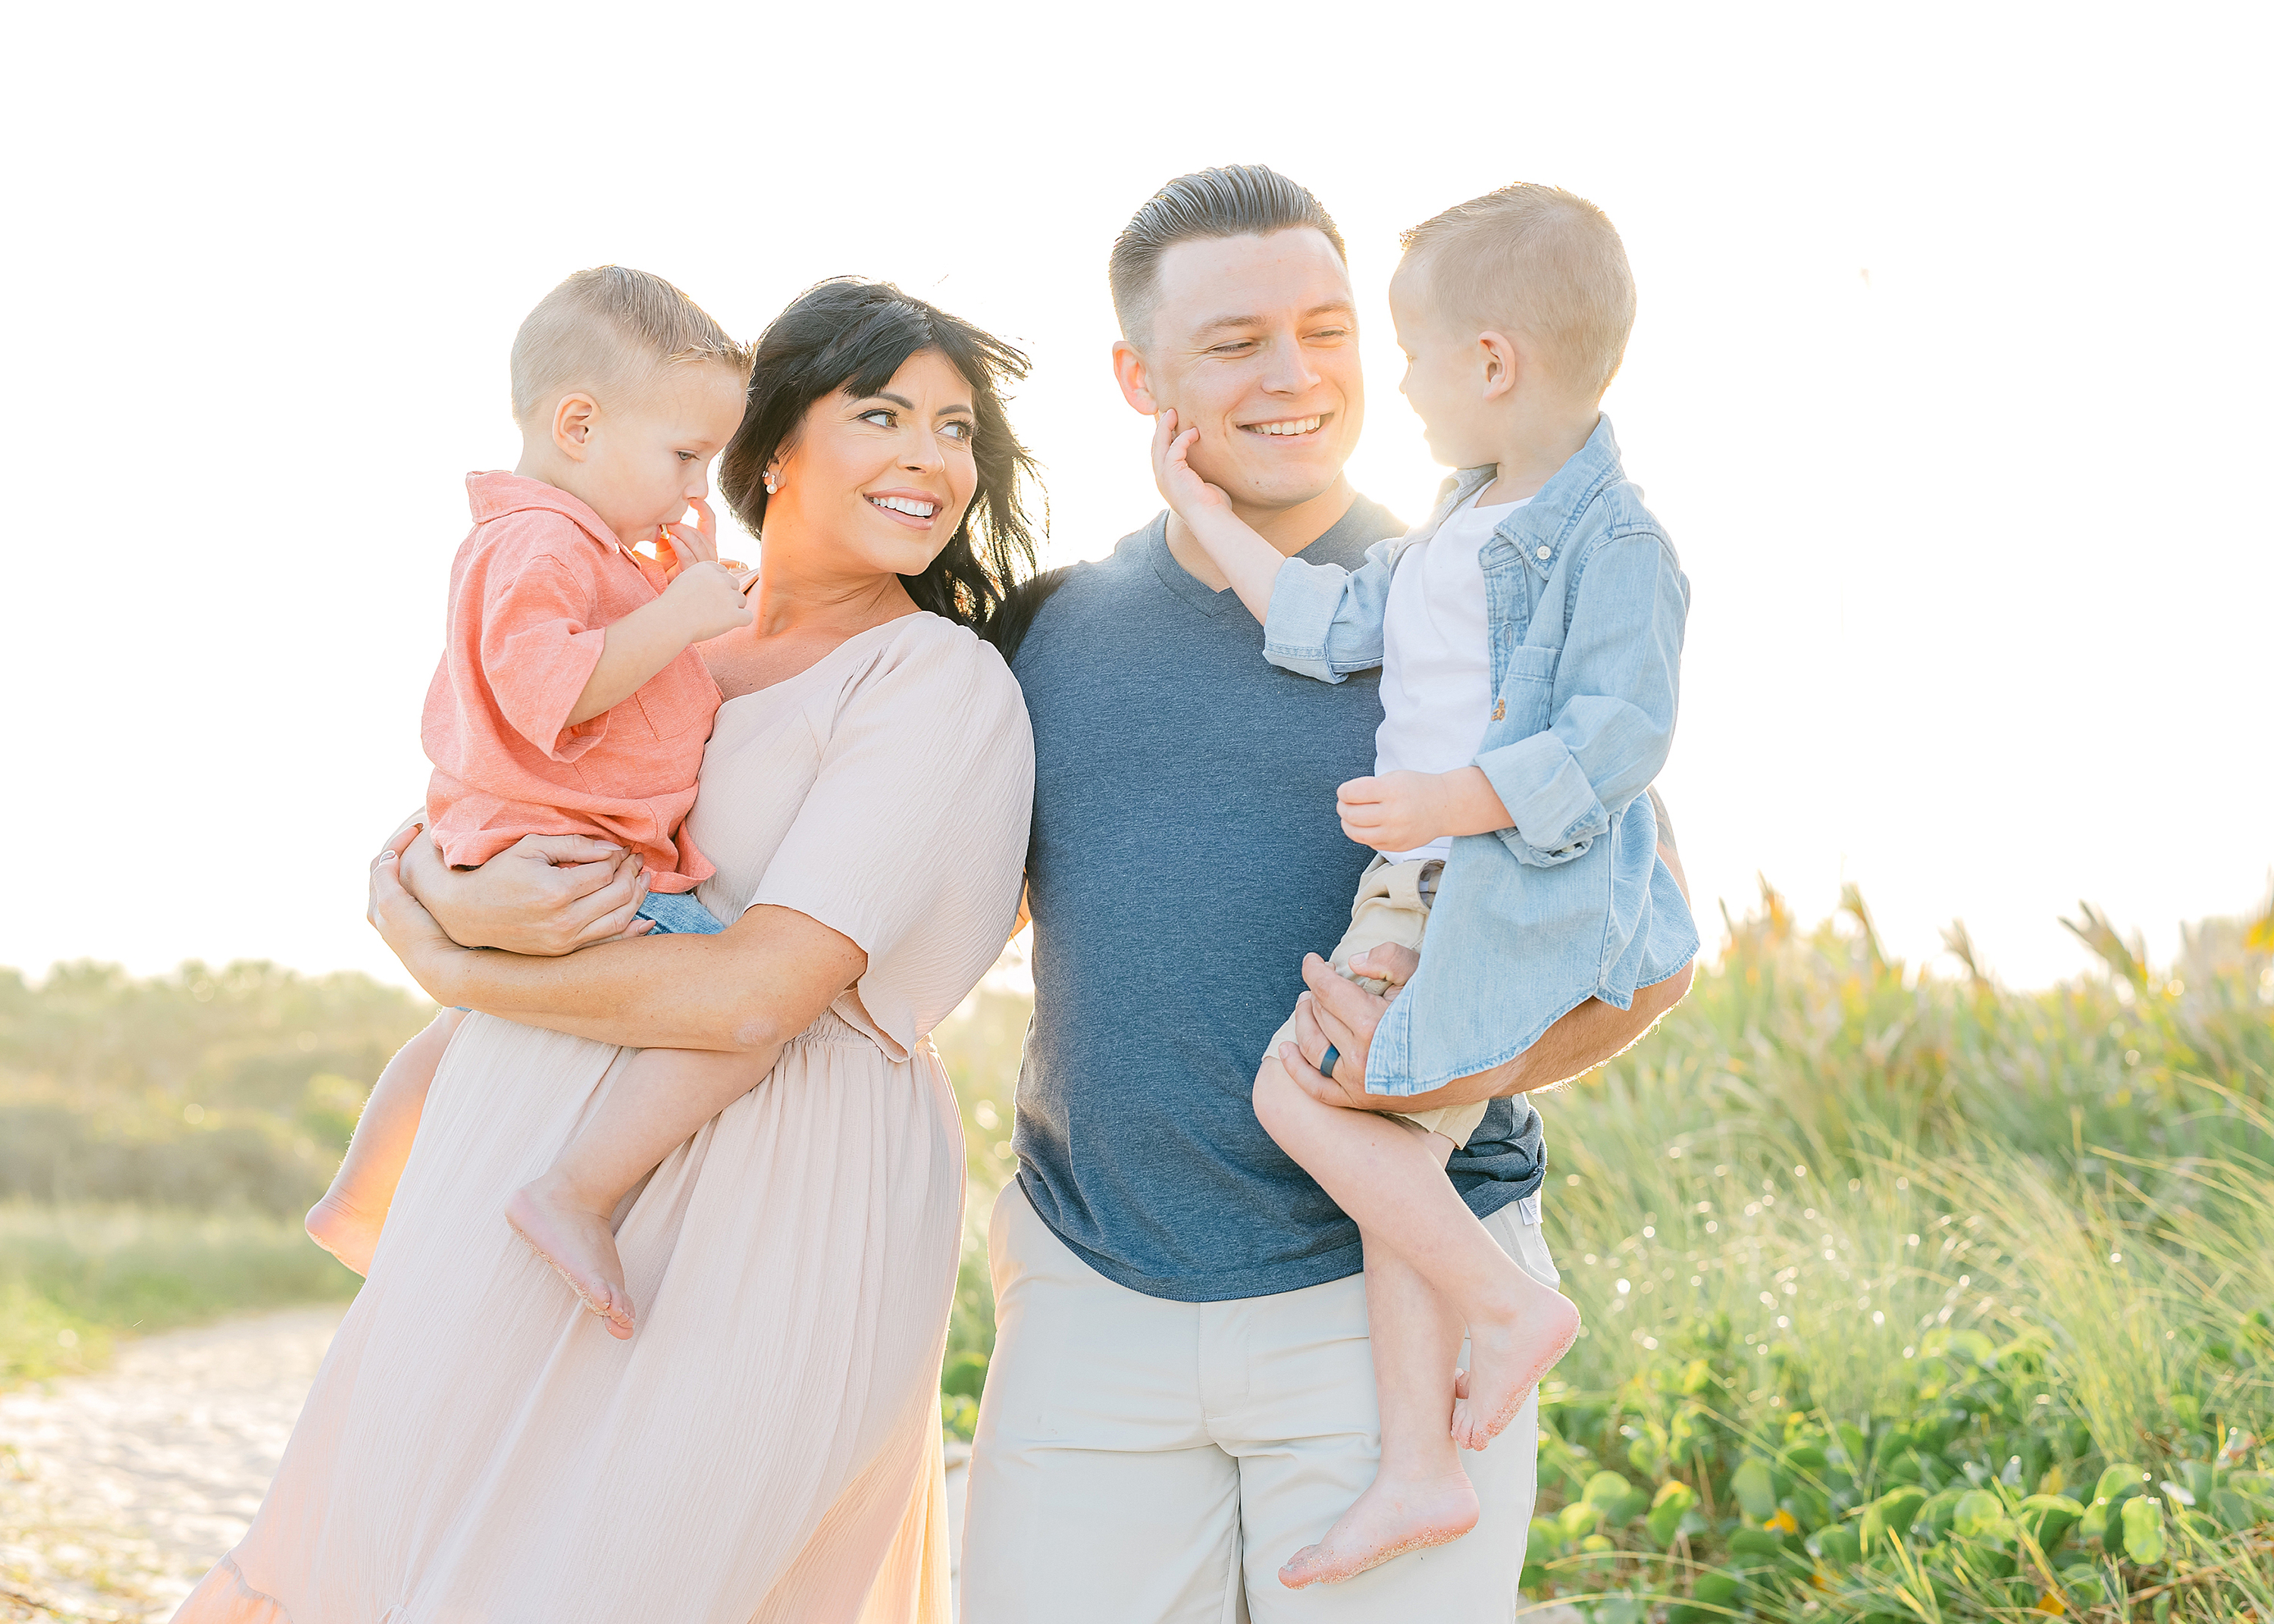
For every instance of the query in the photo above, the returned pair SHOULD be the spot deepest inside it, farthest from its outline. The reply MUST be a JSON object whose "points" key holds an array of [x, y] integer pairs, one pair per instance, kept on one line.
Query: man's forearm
{"points": [[1583, 1039], [1588, 1036]]}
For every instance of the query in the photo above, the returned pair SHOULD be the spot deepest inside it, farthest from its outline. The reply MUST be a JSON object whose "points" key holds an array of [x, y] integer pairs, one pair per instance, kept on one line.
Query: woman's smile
{"points": [[916, 509]]}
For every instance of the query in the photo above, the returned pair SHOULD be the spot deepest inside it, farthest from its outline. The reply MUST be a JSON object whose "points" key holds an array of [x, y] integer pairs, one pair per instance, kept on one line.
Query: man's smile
{"points": [[1289, 428]]}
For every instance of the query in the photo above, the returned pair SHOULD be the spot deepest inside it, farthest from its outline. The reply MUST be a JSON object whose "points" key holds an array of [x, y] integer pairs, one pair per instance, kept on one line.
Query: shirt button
{"points": [[1541, 555]]}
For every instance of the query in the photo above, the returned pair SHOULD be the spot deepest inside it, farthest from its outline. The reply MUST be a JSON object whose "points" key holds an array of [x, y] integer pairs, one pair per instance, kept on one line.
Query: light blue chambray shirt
{"points": [[1584, 604]]}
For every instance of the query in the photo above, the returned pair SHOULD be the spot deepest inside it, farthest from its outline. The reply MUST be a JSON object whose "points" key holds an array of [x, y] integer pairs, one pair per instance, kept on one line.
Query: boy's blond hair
{"points": [[611, 329], [1542, 260]]}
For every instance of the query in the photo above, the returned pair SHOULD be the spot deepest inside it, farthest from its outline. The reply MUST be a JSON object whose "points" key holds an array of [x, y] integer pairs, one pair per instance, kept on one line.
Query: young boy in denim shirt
{"points": [[1530, 636]]}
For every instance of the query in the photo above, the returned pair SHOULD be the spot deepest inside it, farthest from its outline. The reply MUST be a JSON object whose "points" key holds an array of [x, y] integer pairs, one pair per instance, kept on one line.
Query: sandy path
{"points": [[117, 1491]]}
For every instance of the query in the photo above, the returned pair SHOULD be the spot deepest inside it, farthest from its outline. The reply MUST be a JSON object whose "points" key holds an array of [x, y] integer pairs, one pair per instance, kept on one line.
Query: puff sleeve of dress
{"points": [[913, 839]]}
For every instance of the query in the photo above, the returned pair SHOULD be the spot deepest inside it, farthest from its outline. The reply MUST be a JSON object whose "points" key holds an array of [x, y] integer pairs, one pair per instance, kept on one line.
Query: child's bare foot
{"points": [[1387, 1520], [579, 1245], [345, 1231], [1507, 1358]]}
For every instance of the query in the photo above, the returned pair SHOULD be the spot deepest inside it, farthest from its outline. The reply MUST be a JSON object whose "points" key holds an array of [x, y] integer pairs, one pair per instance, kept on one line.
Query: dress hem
{"points": [[240, 1604]]}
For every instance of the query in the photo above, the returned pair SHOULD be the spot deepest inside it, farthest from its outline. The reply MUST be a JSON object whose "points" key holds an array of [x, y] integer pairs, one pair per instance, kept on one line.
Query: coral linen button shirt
{"points": [[532, 591]]}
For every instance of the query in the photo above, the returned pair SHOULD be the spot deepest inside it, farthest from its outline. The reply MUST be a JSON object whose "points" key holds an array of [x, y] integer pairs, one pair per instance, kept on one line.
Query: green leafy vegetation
{"points": [[980, 1046], [1903, 1292]]}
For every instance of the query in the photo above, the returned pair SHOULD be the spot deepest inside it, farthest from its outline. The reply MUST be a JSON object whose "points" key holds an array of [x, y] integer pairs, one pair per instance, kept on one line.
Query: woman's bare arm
{"points": [[747, 991]]}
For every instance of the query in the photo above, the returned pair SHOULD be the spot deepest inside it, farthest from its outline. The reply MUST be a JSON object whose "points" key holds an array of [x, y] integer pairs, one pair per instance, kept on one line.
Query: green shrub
{"points": [[205, 1089], [1935, 1301]]}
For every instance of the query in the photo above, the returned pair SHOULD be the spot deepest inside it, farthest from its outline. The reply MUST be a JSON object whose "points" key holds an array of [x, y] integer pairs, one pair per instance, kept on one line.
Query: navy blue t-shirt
{"points": [[1186, 855]]}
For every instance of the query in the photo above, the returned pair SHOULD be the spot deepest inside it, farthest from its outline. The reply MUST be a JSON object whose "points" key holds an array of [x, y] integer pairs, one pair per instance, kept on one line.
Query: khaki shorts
{"points": [[1392, 905]]}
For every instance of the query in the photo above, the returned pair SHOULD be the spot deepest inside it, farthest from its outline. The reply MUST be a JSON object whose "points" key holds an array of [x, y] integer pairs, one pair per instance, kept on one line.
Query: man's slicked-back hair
{"points": [[1239, 199], [613, 329], [1537, 259]]}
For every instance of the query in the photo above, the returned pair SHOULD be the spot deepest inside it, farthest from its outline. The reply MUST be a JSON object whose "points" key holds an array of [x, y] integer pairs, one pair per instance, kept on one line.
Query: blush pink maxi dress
{"points": [[477, 1450]]}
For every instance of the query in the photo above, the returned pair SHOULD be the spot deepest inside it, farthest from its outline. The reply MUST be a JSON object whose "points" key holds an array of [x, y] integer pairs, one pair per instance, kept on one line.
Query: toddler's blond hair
{"points": [[613, 330], [1542, 260]]}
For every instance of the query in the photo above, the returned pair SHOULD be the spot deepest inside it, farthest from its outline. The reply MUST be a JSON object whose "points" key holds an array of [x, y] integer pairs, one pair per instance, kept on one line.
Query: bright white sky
{"points": [[1949, 374]]}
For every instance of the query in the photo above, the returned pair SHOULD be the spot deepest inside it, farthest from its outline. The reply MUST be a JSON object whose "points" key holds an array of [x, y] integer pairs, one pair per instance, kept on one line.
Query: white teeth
{"points": [[1301, 425], [901, 504]]}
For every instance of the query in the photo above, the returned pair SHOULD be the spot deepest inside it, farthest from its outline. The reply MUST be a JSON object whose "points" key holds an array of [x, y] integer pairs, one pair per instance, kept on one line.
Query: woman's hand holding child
{"points": [[543, 896]]}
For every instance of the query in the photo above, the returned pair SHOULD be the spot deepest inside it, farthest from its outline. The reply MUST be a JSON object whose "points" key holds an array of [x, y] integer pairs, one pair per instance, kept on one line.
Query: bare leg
{"points": [[1388, 1178], [664, 1096], [347, 1221], [1419, 1496]]}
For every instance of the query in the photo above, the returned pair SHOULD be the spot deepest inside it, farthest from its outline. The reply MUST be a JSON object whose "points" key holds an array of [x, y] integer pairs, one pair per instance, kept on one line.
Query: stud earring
{"points": [[773, 482]]}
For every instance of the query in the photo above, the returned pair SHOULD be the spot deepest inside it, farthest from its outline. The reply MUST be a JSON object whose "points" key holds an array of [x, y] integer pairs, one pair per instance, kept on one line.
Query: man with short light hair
{"points": [[1182, 1393]]}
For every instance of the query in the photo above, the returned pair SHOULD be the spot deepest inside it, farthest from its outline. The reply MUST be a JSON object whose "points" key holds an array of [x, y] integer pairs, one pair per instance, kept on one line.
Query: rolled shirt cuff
{"points": [[1554, 807]]}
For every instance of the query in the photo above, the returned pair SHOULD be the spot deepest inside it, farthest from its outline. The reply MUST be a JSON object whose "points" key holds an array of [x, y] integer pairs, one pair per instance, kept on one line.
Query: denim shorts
{"points": [[677, 913]]}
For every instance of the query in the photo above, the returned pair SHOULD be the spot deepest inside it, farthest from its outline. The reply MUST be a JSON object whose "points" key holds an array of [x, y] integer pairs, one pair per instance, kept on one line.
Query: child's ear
{"points": [[573, 417], [1497, 362], [1134, 377]]}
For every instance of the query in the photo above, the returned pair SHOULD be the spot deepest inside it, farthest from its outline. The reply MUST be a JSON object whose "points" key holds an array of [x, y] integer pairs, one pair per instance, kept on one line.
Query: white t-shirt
{"points": [[1436, 663]]}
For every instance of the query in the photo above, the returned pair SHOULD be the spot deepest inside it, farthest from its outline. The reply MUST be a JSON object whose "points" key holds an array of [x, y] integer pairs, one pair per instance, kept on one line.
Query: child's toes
{"points": [[622, 1319]]}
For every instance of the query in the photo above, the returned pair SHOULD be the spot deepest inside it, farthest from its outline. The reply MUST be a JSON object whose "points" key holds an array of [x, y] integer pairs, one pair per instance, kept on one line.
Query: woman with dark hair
{"points": [[767, 1445]]}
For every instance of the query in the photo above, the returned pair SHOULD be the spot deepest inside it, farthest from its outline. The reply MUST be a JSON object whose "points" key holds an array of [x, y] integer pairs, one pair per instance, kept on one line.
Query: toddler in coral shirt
{"points": [[570, 698]]}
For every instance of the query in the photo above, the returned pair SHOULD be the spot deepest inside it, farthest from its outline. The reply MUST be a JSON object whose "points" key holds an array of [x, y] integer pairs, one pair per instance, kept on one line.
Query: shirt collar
{"points": [[497, 493], [1547, 519]]}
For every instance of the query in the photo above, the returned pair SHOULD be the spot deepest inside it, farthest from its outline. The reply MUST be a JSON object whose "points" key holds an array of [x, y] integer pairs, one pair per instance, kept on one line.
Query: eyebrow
{"points": [[1226, 323], [906, 404]]}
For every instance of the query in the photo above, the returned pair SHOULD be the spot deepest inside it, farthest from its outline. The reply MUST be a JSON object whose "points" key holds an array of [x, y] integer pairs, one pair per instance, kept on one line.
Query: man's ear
{"points": [[574, 416], [1134, 377], [1499, 359]]}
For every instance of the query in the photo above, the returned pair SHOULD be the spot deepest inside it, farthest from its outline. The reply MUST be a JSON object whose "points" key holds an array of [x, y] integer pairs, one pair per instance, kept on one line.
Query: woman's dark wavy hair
{"points": [[849, 336]]}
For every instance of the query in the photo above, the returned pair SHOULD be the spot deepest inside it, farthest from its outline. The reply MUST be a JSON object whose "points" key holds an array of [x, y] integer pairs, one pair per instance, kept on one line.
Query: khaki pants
{"points": [[1392, 905], [1146, 1462]]}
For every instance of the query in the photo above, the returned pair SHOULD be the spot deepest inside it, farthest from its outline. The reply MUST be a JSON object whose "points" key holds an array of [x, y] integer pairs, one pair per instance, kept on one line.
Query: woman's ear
{"points": [[574, 416], [1134, 377]]}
